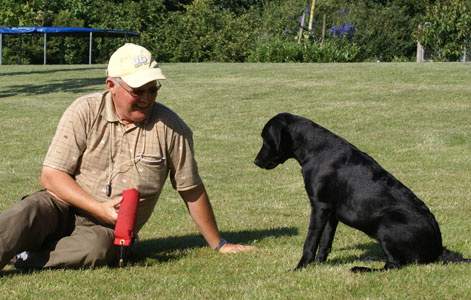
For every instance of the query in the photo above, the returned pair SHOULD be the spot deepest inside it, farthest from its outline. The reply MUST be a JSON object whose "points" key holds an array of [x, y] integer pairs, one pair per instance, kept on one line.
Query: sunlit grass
{"points": [[412, 118]]}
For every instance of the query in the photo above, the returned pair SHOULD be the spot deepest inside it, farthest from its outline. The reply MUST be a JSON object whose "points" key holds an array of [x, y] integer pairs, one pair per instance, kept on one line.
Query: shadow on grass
{"points": [[14, 272], [78, 85], [171, 248], [48, 71], [152, 251], [371, 252], [159, 250]]}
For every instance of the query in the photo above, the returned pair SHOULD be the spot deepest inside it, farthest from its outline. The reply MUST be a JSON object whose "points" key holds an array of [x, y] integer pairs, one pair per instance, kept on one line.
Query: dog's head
{"points": [[276, 148]]}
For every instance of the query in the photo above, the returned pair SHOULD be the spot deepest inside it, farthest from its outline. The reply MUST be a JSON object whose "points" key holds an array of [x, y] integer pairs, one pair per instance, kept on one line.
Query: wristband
{"points": [[221, 244]]}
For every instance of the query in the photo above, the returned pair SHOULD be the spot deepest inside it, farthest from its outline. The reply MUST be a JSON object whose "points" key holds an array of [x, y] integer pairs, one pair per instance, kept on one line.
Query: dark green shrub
{"points": [[203, 32], [332, 50]]}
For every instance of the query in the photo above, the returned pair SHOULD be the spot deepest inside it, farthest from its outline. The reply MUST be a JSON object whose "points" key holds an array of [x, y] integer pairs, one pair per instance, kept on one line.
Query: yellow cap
{"points": [[134, 65]]}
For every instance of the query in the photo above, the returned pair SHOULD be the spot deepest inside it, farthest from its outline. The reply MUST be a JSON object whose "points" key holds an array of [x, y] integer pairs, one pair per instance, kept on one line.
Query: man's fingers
{"points": [[234, 248]]}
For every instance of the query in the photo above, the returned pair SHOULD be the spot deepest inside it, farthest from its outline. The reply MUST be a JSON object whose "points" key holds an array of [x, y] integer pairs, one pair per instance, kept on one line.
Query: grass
{"points": [[412, 118]]}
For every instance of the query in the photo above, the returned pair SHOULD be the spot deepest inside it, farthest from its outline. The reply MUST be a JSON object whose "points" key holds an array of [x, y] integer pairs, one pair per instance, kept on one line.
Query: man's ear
{"points": [[111, 85]]}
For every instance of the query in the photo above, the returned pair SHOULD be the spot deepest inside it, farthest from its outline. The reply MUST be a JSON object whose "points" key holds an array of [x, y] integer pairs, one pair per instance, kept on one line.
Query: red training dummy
{"points": [[124, 230]]}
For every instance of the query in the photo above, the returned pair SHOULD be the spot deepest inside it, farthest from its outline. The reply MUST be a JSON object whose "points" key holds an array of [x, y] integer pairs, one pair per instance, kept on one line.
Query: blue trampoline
{"points": [[66, 31]]}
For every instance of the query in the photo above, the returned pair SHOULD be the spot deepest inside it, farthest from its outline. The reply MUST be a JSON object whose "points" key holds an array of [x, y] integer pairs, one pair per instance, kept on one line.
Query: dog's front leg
{"points": [[319, 217], [325, 245]]}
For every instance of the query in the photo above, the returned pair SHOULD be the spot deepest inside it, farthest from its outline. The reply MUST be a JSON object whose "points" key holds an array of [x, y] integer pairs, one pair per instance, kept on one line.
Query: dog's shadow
{"points": [[371, 252], [157, 250]]}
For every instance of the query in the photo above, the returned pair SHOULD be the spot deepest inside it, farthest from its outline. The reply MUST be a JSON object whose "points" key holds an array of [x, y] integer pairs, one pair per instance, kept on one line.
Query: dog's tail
{"points": [[448, 256]]}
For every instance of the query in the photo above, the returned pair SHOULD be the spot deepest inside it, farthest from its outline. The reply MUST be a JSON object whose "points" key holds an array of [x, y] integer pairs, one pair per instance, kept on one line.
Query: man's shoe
{"points": [[19, 257]]}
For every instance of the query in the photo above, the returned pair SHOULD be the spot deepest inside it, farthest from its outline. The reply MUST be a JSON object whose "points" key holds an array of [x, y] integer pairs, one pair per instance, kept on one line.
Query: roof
{"points": [[68, 31]]}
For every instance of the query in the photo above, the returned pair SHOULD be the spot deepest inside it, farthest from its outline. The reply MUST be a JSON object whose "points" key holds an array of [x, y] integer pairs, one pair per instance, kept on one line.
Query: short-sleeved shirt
{"points": [[96, 148]]}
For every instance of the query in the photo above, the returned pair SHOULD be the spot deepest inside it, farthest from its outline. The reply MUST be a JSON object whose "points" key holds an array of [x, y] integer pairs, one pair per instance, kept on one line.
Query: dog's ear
{"points": [[278, 131], [274, 132]]}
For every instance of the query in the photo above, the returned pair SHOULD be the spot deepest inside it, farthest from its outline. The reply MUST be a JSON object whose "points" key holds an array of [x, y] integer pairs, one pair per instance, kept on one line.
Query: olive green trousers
{"points": [[54, 235]]}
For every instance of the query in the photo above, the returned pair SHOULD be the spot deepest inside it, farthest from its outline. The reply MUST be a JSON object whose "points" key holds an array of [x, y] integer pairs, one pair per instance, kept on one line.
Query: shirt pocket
{"points": [[152, 172]]}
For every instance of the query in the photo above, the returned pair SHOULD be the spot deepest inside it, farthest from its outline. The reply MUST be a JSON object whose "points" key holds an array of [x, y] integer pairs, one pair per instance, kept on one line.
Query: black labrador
{"points": [[345, 184]]}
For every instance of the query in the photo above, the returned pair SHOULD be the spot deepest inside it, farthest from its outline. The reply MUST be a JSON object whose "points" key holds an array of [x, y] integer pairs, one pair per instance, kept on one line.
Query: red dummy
{"points": [[124, 230]]}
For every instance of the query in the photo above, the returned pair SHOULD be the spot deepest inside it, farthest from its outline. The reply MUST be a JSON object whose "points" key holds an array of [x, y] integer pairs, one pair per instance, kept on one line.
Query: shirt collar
{"points": [[108, 112]]}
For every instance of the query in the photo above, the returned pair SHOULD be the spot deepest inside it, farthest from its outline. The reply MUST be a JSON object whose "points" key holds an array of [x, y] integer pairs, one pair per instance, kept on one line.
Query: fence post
{"points": [[323, 28], [420, 50], [45, 38], [90, 49], [301, 28], [20, 50]]}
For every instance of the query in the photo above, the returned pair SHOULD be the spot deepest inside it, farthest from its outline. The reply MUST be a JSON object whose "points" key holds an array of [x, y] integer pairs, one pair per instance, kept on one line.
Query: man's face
{"points": [[132, 104]]}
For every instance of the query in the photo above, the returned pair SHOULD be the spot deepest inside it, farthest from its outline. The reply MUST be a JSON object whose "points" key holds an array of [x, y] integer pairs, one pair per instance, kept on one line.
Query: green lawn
{"points": [[414, 119]]}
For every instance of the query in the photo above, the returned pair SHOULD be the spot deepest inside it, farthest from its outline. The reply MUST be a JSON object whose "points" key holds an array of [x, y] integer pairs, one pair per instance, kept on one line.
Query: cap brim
{"points": [[139, 79]]}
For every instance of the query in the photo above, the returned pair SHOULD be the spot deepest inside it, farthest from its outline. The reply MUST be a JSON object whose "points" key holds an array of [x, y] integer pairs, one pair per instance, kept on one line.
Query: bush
{"points": [[223, 30], [448, 29], [383, 29], [333, 50], [203, 32]]}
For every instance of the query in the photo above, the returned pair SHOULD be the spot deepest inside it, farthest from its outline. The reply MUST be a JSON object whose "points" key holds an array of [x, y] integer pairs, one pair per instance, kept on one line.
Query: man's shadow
{"points": [[149, 252], [158, 250]]}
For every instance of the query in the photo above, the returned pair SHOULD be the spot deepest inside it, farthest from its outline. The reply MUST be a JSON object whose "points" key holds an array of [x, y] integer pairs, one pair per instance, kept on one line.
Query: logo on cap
{"points": [[139, 61]]}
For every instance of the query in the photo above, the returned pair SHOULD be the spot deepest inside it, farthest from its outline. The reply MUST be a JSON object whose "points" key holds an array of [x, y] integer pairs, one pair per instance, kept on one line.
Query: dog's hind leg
{"points": [[325, 245], [393, 248], [390, 250], [391, 263]]}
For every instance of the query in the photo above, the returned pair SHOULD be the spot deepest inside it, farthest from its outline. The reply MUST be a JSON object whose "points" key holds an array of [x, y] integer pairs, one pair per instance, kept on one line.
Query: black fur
{"points": [[345, 184]]}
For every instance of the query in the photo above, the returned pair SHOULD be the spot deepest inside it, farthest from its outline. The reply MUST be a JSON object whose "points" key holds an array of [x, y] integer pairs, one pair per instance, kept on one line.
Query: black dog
{"points": [[345, 184]]}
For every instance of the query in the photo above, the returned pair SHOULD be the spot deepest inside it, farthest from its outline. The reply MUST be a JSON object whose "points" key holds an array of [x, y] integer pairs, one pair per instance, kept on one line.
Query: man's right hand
{"points": [[109, 210]]}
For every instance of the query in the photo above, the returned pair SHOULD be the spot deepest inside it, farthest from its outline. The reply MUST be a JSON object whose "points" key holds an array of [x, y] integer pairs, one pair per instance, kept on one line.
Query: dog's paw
{"points": [[360, 269], [301, 265]]}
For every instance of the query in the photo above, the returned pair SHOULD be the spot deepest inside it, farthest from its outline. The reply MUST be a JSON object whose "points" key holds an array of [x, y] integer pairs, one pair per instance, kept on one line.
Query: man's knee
{"points": [[100, 249], [42, 207], [29, 223]]}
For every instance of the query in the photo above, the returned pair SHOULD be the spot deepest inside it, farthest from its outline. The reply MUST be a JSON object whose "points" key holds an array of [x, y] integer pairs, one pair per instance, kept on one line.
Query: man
{"points": [[106, 143]]}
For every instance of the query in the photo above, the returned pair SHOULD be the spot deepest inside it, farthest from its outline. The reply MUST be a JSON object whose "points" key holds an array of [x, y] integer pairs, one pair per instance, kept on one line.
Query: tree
{"points": [[16, 13], [447, 28]]}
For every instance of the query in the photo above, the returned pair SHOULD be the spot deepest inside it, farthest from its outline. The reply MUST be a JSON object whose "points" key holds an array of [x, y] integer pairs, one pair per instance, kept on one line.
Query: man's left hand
{"points": [[234, 248]]}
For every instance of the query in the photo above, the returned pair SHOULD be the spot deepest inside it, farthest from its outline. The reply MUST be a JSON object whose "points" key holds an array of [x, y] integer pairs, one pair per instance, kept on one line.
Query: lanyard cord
{"points": [[110, 160], [111, 167]]}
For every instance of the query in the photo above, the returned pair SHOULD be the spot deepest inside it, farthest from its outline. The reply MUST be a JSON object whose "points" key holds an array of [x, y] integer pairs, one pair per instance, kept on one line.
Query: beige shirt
{"points": [[93, 146]]}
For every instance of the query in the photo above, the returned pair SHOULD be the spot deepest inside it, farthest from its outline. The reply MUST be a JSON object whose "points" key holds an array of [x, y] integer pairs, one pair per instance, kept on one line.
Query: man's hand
{"points": [[200, 209], [234, 248], [109, 212]]}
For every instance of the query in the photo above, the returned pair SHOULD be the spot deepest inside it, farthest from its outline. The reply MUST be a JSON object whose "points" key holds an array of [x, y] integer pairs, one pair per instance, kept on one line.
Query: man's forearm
{"points": [[201, 211], [62, 186]]}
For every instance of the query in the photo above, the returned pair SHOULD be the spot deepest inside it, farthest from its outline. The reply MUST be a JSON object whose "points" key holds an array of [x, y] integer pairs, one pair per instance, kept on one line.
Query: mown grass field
{"points": [[414, 119]]}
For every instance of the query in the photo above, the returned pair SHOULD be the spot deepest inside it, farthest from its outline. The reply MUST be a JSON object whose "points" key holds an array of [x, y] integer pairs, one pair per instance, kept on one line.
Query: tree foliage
{"points": [[222, 30], [447, 28]]}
